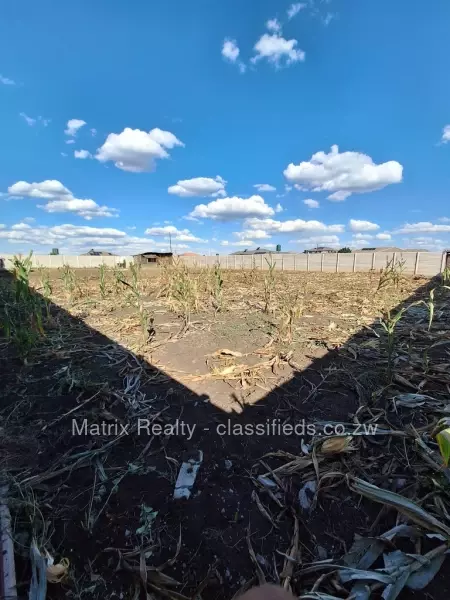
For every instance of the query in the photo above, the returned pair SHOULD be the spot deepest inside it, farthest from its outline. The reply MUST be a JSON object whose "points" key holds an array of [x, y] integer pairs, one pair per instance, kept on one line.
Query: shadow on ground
{"points": [[86, 496]]}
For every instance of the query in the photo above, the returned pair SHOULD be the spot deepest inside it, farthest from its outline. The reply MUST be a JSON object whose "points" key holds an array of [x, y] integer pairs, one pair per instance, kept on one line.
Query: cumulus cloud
{"points": [[362, 236], [383, 236], [290, 226], [135, 150], [74, 239], [239, 244], [423, 227], [265, 187], [199, 186], [295, 8], [346, 172], [339, 196], [273, 25], [311, 203], [73, 125], [278, 208], [229, 209], [172, 232], [6, 80], [50, 188], [330, 240], [277, 50], [230, 52], [60, 199], [88, 209], [356, 225], [446, 134], [32, 121], [256, 234], [82, 154]]}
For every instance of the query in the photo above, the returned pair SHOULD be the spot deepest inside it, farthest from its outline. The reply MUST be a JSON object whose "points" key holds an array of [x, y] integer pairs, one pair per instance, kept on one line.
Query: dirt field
{"points": [[206, 358]]}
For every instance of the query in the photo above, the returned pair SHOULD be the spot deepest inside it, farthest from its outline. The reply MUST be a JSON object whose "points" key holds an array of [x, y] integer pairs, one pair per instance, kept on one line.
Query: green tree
{"points": [[345, 250]]}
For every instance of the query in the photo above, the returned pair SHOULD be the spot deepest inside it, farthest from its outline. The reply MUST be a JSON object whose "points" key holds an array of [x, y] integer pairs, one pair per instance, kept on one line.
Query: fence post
{"points": [[444, 262], [261, 262], [337, 262], [416, 266], [373, 261], [321, 261], [226, 261], [295, 262], [282, 263], [307, 262], [242, 261], [354, 262], [394, 258]]}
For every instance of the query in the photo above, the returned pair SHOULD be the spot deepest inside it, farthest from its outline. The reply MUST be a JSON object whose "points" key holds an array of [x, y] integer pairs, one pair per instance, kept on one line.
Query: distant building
{"points": [[95, 253], [256, 251], [152, 257], [391, 249], [320, 250], [189, 254]]}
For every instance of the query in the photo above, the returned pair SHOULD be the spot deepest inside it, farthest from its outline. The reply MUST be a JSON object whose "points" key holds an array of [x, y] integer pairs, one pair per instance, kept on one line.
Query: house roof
{"points": [[93, 252], [257, 251]]}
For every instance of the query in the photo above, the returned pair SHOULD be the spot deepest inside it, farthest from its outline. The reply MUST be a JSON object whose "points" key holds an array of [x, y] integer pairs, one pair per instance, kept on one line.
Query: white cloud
{"points": [[70, 141], [256, 234], [50, 188], [239, 244], [349, 172], [229, 209], [171, 232], [444, 220], [423, 227], [60, 199], [31, 121], [82, 154], [311, 203], [295, 8], [135, 150], [446, 134], [339, 196], [230, 52], [93, 131], [7, 80], [356, 225], [329, 240], [199, 186], [362, 236], [277, 50], [265, 187], [383, 236], [274, 25], [278, 208], [270, 225], [73, 125], [88, 209]]}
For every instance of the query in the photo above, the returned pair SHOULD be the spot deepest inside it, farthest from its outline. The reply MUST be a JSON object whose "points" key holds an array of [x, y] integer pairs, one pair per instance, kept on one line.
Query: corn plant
{"points": [[145, 319], [21, 271], [269, 285], [47, 289], [117, 279], [391, 274], [446, 276], [69, 280], [217, 288], [291, 308], [430, 304], [102, 280], [389, 323]]}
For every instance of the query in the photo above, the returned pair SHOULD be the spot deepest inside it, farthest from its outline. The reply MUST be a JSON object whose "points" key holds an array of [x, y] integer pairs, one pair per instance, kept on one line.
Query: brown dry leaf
{"points": [[336, 445], [226, 352], [56, 573]]}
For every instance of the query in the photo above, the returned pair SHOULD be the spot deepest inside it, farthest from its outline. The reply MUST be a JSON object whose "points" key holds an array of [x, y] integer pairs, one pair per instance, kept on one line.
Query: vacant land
{"points": [[220, 353]]}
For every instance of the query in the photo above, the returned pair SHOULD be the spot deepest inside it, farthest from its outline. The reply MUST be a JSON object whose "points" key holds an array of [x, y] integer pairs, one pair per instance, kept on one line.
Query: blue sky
{"points": [[177, 110]]}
